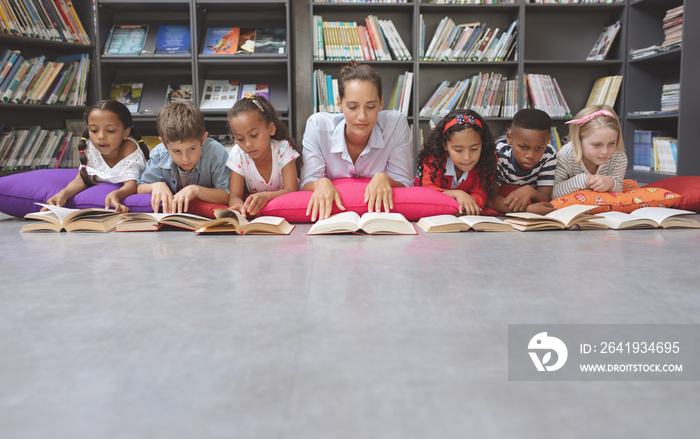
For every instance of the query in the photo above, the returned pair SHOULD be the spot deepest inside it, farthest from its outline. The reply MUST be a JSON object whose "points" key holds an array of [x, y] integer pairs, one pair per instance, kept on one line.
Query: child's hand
{"points": [[541, 208], [518, 200], [181, 200], [57, 200], [600, 183], [113, 200], [240, 207], [378, 193], [255, 202], [321, 202], [467, 205], [161, 194]]}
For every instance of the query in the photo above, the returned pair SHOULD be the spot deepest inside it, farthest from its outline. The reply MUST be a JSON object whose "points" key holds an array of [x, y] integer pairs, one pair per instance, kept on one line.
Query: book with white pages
{"points": [[451, 223], [648, 218], [369, 223]]}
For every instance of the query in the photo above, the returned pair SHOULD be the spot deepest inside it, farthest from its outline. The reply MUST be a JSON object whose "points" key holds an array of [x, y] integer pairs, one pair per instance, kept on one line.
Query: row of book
{"points": [[217, 94], [655, 151], [571, 2], [468, 42], [489, 94], [574, 217], [38, 81], [54, 20], [32, 147], [471, 2], [543, 93], [605, 91], [376, 40], [176, 39]]}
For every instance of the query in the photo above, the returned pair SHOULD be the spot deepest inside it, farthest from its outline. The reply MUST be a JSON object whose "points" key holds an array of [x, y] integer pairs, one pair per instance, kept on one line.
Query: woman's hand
{"points": [[378, 193], [321, 202]]}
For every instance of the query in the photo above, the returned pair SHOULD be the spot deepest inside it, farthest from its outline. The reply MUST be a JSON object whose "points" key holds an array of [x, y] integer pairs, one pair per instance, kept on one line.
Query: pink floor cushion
{"points": [[19, 192], [413, 202]]}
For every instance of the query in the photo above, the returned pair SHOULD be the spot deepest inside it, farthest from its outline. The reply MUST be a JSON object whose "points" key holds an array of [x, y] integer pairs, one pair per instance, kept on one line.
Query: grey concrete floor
{"points": [[173, 335]]}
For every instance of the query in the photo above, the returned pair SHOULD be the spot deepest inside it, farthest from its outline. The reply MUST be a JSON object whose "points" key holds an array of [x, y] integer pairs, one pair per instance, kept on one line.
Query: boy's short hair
{"points": [[180, 121], [532, 119]]}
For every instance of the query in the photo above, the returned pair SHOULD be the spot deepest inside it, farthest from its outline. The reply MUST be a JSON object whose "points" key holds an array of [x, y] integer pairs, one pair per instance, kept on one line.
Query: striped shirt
{"points": [[571, 176], [541, 175]]}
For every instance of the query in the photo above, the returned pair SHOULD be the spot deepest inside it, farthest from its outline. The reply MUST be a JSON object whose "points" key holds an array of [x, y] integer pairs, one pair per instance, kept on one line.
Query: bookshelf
{"points": [[50, 116], [553, 39], [156, 71], [646, 76]]}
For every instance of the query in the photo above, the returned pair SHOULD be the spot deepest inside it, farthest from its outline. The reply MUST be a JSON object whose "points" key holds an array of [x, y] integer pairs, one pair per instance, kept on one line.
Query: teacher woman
{"points": [[363, 141]]}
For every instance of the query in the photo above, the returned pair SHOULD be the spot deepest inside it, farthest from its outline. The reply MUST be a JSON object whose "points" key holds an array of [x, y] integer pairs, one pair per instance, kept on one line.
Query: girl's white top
{"points": [[128, 168], [241, 163]]}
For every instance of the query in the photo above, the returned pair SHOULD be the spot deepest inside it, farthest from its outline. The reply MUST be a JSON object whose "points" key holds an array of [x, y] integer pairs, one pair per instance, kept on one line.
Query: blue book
{"points": [[173, 39], [126, 40]]}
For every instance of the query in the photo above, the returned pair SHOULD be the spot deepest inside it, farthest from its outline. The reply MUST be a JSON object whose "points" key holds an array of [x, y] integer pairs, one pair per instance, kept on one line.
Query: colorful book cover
{"points": [[247, 40], [179, 92], [250, 90], [129, 94], [271, 40], [126, 39], [219, 94], [173, 39], [221, 41]]}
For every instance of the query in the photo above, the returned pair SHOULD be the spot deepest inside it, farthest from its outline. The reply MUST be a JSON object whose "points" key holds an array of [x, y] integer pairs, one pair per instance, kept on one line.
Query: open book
{"points": [[451, 223], [369, 223], [231, 221], [574, 217], [648, 218], [58, 218], [147, 222]]}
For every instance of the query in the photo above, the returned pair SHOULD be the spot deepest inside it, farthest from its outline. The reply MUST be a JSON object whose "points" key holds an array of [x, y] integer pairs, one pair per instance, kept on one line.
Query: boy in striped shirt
{"points": [[526, 159]]}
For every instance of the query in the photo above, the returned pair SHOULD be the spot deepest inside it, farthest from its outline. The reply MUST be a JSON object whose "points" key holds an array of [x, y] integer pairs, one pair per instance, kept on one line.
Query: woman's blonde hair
{"points": [[577, 131]]}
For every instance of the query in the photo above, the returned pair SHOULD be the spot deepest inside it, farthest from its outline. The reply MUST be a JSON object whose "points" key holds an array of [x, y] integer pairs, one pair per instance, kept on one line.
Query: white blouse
{"points": [[241, 163], [128, 168]]}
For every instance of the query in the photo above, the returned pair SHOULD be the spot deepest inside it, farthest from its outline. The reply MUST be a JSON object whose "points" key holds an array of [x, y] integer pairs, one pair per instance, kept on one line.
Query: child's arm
{"points": [[255, 202], [114, 198], [181, 200], [236, 190], [76, 186], [565, 179], [611, 174], [519, 200]]}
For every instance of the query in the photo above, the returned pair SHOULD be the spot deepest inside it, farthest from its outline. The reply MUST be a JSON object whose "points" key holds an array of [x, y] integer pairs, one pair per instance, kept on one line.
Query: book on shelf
{"points": [[126, 39], [128, 93], [221, 41], [465, 223], [246, 40], [655, 151], [271, 40], [469, 42], [173, 39], [33, 147], [219, 94], [605, 91], [543, 93], [574, 217], [401, 93], [489, 94], [648, 218], [370, 223], [604, 42], [178, 93], [673, 27], [670, 97], [325, 92], [375, 39], [54, 20], [57, 219], [232, 221], [252, 89]]}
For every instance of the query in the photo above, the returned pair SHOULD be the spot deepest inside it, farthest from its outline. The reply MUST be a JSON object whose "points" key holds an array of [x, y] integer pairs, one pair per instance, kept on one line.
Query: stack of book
{"points": [[670, 98], [343, 40], [469, 42], [32, 147], [46, 19], [604, 91], [489, 94], [38, 81], [673, 27], [655, 151], [544, 93]]}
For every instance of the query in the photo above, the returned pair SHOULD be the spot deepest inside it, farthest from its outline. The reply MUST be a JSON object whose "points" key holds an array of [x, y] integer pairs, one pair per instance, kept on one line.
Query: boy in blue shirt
{"points": [[187, 164], [526, 159]]}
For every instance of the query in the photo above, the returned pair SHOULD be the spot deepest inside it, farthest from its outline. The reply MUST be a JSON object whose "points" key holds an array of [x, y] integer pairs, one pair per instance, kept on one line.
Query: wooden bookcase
{"points": [[646, 76], [156, 71], [552, 39], [50, 116]]}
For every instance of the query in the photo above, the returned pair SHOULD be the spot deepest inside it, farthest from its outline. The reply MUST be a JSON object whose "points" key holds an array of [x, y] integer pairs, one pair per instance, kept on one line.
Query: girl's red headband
{"points": [[460, 119]]}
